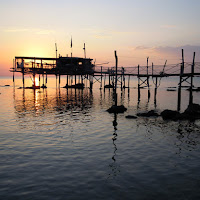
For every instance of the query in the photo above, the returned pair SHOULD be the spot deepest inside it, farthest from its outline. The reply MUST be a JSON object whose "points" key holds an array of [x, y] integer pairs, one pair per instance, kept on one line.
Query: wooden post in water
{"points": [[115, 87], [91, 82], [39, 79], [121, 79], [148, 77], [156, 86], [138, 83], [101, 79], [43, 78], [33, 79], [124, 79], [180, 82], [104, 82], [23, 77], [191, 81], [56, 81], [128, 82], [13, 70], [67, 81], [59, 80], [46, 79], [109, 76]]}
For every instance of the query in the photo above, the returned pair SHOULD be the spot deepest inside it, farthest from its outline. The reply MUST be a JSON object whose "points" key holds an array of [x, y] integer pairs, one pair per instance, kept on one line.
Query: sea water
{"points": [[62, 144]]}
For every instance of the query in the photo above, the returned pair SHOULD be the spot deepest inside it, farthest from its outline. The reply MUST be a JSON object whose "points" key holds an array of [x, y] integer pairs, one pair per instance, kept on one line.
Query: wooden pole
{"points": [[191, 82], [115, 87], [104, 81], [23, 77], [180, 82], [43, 78], [128, 85], [46, 78], [13, 70], [34, 79], [155, 93], [124, 80], [121, 79], [138, 83], [59, 80], [148, 77], [101, 78]]}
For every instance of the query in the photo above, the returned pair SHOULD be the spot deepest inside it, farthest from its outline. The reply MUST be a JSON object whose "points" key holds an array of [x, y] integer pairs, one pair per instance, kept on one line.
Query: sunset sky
{"points": [[135, 28]]}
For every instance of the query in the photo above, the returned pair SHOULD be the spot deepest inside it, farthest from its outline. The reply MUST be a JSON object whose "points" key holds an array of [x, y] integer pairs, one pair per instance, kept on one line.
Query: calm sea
{"points": [[62, 144]]}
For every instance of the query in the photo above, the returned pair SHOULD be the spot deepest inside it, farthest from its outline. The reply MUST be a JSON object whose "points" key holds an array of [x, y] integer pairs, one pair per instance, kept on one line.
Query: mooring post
{"points": [[128, 83], [104, 82], [101, 79], [91, 82], [34, 79], [191, 82], [75, 79], [13, 70], [43, 78], [46, 78], [67, 80], [148, 78], [180, 82], [23, 77], [108, 76], [81, 79], [39, 79], [115, 87], [138, 83], [56, 80], [124, 79], [59, 80], [121, 79], [156, 86]]}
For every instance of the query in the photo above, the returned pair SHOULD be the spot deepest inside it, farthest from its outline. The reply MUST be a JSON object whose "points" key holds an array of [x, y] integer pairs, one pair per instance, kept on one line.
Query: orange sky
{"points": [[29, 30]]}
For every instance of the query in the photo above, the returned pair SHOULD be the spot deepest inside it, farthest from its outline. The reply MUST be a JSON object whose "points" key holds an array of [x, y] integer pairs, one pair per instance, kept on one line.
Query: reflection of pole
{"points": [[191, 83], [115, 135], [115, 87]]}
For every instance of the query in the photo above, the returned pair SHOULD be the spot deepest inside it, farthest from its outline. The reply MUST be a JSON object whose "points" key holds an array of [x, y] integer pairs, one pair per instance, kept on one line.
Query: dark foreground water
{"points": [[59, 144]]}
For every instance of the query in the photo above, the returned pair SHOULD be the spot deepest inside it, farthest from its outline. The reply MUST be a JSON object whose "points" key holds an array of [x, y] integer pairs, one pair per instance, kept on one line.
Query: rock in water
{"points": [[170, 114], [151, 113], [117, 109]]}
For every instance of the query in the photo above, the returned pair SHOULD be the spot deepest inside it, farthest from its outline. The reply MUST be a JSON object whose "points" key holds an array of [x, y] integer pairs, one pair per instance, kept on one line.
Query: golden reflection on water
{"points": [[28, 101]]}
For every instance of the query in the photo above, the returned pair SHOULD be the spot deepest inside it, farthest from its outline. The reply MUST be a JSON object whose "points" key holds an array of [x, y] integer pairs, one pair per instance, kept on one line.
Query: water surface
{"points": [[62, 144]]}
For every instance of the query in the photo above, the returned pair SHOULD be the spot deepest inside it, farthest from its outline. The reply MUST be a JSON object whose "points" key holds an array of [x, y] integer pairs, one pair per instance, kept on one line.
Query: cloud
{"points": [[178, 49]]}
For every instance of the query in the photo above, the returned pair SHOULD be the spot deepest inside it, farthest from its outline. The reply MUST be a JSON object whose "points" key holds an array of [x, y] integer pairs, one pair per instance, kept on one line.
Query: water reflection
{"points": [[115, 168], [38, 102], [188, 136]]}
